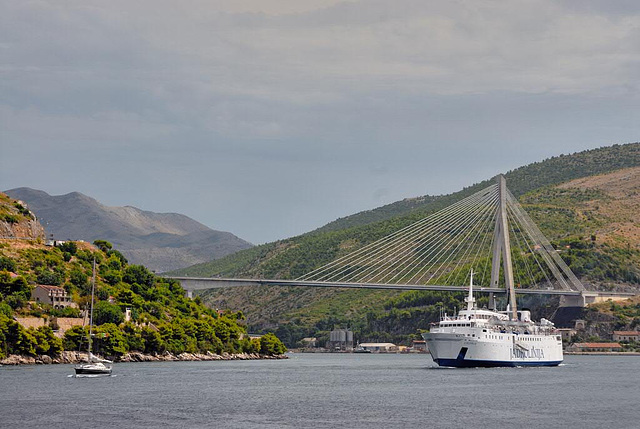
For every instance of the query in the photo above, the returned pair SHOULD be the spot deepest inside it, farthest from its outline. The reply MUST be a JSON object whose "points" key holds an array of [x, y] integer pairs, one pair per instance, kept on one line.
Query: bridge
{"points": [[488, 232]]}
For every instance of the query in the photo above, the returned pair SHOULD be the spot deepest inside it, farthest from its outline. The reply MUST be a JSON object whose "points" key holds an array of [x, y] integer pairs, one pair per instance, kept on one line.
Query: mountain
{"points": [[160, 241], [590, 218]]}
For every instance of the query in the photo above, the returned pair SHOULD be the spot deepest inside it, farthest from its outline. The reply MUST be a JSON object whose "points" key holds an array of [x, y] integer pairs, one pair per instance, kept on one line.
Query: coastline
{"points": [[602, 353], [70, 357]]}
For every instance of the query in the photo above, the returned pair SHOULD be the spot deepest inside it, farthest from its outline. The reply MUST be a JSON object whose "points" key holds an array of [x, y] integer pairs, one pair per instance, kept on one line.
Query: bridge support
{"points": [[585, 298], [573, 301], [502, 249]]}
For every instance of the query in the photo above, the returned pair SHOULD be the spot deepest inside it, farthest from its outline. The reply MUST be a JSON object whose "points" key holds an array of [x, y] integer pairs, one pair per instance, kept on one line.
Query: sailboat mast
{"points": [[93, 288]]}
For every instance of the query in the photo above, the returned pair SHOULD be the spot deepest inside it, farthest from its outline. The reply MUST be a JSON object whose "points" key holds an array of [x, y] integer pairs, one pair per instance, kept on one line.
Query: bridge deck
{"points": [[199, 283]]}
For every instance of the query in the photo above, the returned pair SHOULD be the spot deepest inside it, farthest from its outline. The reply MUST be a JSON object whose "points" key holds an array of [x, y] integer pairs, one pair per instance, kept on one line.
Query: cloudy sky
{"points": [[269, 118]]}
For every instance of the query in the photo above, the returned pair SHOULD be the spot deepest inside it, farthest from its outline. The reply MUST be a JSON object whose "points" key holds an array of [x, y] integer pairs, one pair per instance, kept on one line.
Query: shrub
{"points": [[5, 309], [47, 277], [7, 264], [65, 312], [78, 278], [9, 218], [68, 247], [103, 245]]}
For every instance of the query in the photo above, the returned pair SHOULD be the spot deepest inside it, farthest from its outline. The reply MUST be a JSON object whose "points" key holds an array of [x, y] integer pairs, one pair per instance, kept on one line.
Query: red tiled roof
{"points": [[599, 345], [626, 333]]}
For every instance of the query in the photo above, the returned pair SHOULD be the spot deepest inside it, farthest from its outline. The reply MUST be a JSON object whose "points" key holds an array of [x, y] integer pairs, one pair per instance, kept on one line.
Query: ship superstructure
{"points": [[485, 338]]}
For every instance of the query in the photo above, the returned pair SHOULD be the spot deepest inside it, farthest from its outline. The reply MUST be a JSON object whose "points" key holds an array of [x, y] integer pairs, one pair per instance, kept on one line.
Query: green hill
{"points": [[161, 317], [566, 215]]}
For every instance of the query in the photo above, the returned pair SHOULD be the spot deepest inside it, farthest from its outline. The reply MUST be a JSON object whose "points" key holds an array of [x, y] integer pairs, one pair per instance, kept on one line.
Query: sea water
{"points": [[325, 391]]}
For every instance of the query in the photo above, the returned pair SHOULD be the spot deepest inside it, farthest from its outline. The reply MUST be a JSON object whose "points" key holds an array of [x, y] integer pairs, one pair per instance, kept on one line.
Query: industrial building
{"points": [[340, 340]]}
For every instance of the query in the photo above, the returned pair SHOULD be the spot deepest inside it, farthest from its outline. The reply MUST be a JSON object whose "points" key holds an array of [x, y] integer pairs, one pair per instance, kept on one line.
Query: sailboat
{"points": [[94, 365]]}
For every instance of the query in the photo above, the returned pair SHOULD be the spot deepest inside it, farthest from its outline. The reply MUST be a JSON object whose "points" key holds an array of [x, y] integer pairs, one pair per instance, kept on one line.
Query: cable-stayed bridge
{"points": [[488, 232]]}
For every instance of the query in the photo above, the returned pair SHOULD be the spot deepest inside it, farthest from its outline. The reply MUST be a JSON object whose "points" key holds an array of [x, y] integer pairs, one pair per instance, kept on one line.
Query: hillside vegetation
{"points": [[575, 217], [162, 318], [293, 257]]}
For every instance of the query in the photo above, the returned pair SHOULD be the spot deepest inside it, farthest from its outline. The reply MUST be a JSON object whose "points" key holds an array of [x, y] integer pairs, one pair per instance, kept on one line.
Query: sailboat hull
{"points": [[89, 369]]}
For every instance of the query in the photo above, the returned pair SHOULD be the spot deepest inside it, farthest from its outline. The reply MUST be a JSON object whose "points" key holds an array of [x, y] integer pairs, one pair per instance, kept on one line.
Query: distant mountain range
{"points": [[160, 241]]}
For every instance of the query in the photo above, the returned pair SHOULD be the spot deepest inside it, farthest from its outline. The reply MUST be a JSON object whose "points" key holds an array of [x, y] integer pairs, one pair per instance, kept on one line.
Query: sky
{"points": [[272, 118]]}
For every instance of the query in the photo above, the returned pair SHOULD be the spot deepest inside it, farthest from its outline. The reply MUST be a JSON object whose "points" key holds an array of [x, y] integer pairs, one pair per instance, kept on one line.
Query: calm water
{"points": [[325, 390]]}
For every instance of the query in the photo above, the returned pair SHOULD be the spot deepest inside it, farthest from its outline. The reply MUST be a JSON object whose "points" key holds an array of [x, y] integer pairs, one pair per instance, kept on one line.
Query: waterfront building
{"points": [[626, 335], [309, 342], [595, 347], [378, 347], [420, 346]]}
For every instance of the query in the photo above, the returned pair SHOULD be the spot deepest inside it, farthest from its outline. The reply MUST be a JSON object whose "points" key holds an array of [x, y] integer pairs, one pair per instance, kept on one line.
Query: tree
{"points": [[271, 345], [46, 342], [112, 277], [78, 278], [138, 274], [105, 312], [76, 338], [103, 245], [114, 253], [153, 342], [17, 340], [47, 277], [110, 340], [133, 337], [17, 286]]}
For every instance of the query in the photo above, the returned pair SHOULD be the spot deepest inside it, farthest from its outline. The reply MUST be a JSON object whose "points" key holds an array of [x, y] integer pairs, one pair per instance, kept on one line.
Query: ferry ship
{"points": [[484, 338]]}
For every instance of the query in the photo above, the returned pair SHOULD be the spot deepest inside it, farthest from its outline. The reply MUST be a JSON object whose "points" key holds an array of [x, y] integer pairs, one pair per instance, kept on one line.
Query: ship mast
{"points": [[470, 300], [502, 248]]}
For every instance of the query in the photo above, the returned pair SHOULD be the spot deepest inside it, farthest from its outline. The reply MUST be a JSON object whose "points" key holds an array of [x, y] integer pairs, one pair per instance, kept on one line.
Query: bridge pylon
{"points": [[502, 247]]}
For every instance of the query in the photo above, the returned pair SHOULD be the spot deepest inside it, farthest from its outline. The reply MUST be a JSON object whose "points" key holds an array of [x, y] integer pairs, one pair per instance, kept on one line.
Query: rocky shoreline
{"points": [[70, 357]]}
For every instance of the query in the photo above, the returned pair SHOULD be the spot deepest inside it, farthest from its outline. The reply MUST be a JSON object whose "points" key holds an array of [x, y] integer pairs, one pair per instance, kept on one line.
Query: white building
{"points": [[378, 347]]}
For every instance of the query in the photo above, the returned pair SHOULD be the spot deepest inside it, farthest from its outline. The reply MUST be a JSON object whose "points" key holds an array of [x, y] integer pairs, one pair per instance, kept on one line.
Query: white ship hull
{"points": [[471, 347]]}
